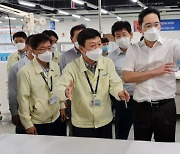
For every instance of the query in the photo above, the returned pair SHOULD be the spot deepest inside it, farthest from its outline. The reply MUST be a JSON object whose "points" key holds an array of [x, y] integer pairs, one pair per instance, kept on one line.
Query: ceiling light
{"points": [[119, 18], [54, 19], [87, 19], [47, 7], [104, 11], [145, 7], [63, 12], [12, 18], [0, 22], [135, 1], [27, 3], [76, 16], [78, 2]]}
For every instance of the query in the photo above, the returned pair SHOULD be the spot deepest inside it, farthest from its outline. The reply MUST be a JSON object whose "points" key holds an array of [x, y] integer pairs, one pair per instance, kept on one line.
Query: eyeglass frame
{"points": [[45, 49]]}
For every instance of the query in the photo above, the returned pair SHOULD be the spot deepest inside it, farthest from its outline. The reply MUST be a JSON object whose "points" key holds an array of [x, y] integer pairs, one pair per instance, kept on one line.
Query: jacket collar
{"points": [[38, 67], [100, 65], [142, 43]]}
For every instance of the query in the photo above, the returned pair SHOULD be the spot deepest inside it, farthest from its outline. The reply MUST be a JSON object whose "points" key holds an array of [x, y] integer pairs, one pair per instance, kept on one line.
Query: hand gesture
{"points": [[69, 90], [124, 95], [167, 68]]}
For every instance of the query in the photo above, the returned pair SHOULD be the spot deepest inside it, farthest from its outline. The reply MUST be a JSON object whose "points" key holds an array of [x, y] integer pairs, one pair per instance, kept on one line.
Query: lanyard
{"points": [[51, 87], [90, 85]]}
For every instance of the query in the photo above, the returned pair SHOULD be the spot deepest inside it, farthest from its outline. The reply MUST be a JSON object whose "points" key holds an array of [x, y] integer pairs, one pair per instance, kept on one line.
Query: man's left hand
{"points": [[63, 115], [124, 95]]}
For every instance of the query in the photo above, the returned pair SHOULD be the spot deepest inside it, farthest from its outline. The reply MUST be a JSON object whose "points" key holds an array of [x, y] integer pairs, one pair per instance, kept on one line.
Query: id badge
{"points": [[96, 102], [53, 100]]}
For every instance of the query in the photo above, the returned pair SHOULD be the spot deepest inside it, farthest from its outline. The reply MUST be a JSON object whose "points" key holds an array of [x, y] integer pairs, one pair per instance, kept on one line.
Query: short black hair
{"points": [[147, 11], [28, 39], [50, 33], [54, 34], [104, 40], [86, 34], [77, 27], [119, 25], [37, 39], [20, 34]]}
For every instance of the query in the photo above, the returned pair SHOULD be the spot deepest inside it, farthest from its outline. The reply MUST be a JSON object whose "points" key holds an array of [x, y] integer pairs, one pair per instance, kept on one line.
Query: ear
{"points": [[131, 35], [114, 39], [30, 49], [34, 52], [160, 26], [71, 39], [81, 49], [140, 29], [26, 46]]}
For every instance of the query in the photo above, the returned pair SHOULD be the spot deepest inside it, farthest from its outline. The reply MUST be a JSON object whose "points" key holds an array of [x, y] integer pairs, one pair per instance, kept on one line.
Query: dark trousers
{"points": [[123, 118], [50, 128], [68, 114], [160, 121], [101, 132], [20, 130], [63, 128]]}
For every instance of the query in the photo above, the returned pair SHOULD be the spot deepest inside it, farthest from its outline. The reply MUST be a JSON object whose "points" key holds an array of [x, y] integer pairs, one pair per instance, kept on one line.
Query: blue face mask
{"points": [[105, 48]]}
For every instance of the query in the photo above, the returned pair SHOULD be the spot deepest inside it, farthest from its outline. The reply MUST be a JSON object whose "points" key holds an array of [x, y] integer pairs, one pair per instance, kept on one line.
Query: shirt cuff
{"points": [[25, 122], [62, 105], [117, 96]]}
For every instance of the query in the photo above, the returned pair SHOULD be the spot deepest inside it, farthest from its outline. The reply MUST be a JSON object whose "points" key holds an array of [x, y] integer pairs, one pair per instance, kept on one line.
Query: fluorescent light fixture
{"points": [[87, 19], [56, 20], [0, 22], [27, 3], [12, 18], [135, 1], [119, 18], [63, 12], [78, 2], [47, 7], [76, 16], [145, 7], [104, 11]]}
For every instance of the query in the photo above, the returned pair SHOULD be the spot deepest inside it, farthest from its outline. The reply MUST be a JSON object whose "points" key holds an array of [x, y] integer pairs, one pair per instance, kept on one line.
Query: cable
{"points": [[10, 31]]}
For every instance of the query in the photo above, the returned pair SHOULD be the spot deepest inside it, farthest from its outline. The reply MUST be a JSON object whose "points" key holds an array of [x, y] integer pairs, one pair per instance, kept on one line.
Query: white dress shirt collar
{"points": [[142, 43]]}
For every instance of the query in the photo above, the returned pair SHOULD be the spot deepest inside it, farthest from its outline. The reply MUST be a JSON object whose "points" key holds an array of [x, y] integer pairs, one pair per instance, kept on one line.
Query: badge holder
{"points": [[53, 99], [95, 102]]}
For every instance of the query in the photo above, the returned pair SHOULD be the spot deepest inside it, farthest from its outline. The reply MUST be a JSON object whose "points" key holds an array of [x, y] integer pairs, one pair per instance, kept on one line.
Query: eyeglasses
{"points": [[150, 25], [45, 49]]}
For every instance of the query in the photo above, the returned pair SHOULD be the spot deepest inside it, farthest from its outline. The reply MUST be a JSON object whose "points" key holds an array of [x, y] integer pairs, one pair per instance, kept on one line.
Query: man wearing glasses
{"points": [[37, 91], [150, 64]]}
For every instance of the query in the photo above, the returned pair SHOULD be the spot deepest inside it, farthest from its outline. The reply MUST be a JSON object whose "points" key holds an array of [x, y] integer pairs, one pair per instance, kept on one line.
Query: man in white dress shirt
{"points": [[150, 64]]}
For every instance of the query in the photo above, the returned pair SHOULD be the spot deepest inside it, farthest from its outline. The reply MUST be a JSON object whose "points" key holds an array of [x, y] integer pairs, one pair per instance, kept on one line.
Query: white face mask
{"points": [[54, 47], [123, 42], [76, 44], [20, 46], [152, 34], [94, 55], [45, 57]]}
